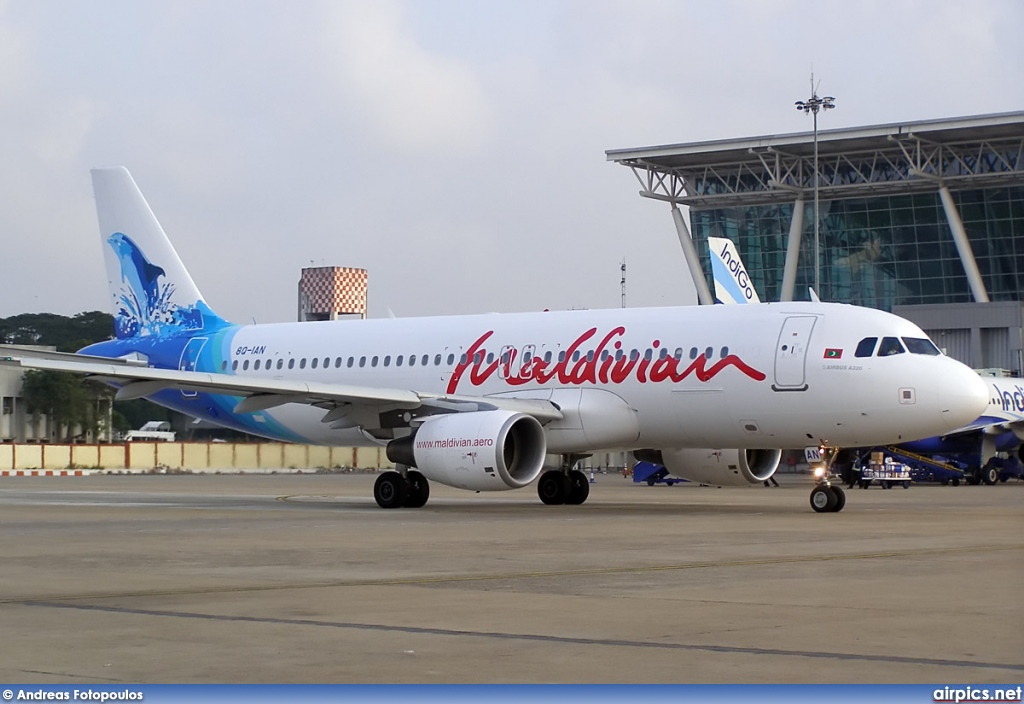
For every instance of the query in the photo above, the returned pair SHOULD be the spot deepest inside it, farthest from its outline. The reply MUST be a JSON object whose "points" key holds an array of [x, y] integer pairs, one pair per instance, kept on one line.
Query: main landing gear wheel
{"points": [[418, 489], [579, 488], [390, 490], [827, 499], [553, 488], [990, 475]]}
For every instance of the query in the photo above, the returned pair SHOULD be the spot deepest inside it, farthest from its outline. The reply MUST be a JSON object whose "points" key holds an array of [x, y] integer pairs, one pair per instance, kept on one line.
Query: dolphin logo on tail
{"points": [[138, 272]]}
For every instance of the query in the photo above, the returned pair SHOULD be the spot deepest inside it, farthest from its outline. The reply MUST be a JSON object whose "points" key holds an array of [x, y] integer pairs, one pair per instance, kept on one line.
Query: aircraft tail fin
{"points": [[152, 292], [732, 284]]}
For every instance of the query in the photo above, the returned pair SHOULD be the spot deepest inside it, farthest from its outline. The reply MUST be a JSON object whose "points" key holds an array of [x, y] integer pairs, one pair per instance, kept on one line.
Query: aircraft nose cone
{"points": [[963, 396]]}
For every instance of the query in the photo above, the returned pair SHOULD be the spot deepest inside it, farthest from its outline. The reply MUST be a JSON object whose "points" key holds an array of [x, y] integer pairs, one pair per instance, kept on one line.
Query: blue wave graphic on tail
{"points": [[145, 304]]}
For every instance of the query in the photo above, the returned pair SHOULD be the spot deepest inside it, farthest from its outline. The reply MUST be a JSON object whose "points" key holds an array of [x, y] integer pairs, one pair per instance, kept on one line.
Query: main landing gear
{"points": [[565, 485], [405, 488], [827, 497]]}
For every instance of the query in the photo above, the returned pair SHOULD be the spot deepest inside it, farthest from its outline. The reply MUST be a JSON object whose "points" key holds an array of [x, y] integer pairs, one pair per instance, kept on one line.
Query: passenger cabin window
{"points": [[234, 365], [866, 347], [399, 359], [437, 360], [387, 360], [315, 361], [919, 345], [280, 363], [424, 359], [245, 365], [224, 366], [337, 363], [291, 363], [889, 346], [302, 363]]}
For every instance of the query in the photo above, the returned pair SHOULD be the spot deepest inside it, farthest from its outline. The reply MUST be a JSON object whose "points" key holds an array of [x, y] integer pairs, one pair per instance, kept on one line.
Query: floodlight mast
{"points": [[813, 105]]}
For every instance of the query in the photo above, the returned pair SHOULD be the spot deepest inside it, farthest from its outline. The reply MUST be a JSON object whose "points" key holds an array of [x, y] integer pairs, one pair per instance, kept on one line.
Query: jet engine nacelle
{"points": [[479, 451], [718, 467]]}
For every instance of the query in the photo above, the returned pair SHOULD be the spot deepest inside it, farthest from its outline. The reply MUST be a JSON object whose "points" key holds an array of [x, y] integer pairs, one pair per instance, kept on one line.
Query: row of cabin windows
{"points": [[423, 360], [891, 345]]}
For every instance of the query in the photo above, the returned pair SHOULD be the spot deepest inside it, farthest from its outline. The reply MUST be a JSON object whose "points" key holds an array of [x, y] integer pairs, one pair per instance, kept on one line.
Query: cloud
{"points": [[409, 97]]}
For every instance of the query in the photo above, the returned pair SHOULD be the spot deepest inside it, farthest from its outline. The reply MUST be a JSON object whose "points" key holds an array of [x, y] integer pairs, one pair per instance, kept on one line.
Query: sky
{"points": [[454, 148]]}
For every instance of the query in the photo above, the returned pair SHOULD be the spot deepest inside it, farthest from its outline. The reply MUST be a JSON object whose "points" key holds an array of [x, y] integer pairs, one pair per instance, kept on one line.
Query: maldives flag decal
{"points": [[833, 353]]}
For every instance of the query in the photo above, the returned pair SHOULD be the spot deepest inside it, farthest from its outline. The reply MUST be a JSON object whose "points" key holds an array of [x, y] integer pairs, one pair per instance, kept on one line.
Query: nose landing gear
{"points": [[826, 497]]}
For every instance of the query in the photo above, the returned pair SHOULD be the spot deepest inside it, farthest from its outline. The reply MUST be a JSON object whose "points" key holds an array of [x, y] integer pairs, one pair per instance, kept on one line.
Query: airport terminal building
{"points": [[924, 219]]}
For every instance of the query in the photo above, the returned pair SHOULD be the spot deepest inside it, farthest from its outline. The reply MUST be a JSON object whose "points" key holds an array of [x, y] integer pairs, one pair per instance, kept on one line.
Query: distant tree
{"points": [[138, 411], [67, 401], [64, 333]]}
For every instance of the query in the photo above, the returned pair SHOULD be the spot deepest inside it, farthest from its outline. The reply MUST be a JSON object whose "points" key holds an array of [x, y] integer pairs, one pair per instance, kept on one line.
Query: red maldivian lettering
{"points": [[595, 367]]}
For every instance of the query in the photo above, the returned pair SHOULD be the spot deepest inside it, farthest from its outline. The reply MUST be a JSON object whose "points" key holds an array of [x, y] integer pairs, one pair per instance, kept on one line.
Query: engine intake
{"points": [[479, 451]]}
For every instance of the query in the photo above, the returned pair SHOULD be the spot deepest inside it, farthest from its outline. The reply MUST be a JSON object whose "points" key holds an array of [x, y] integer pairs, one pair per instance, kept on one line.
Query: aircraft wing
{"points": [[136, 381], [988, 426]]}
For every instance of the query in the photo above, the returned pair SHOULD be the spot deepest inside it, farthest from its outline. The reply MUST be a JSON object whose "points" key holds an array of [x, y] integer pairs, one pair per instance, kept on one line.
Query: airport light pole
{"points": [[813, 106]]}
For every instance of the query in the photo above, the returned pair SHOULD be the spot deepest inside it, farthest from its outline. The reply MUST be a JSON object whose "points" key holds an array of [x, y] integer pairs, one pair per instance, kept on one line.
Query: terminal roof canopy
{"points": [[965, 152]]}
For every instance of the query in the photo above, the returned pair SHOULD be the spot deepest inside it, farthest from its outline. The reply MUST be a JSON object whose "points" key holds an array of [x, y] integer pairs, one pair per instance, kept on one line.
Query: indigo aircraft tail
{"points": [[732, 284], [152, 293]]}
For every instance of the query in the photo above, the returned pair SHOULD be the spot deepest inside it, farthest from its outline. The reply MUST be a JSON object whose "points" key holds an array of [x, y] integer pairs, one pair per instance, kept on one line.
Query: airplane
{"points": [[479, 402], [1000, 428]]}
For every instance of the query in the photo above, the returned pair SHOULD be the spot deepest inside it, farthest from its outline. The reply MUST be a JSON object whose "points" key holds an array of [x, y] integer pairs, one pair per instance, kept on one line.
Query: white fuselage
{"points": [[779, 375]]}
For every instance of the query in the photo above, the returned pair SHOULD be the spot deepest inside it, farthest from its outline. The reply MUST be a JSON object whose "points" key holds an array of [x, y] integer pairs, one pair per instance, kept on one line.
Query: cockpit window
{"points": [[866, 347], [921, 345], [890, 345]]}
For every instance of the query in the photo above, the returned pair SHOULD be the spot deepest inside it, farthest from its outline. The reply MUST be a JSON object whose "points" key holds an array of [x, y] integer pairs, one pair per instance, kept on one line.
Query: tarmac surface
{"points": [[301, 578]]}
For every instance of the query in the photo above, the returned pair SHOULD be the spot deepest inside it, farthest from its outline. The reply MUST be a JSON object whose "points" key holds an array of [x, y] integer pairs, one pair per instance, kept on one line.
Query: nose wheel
{"points": [[826, 498]]}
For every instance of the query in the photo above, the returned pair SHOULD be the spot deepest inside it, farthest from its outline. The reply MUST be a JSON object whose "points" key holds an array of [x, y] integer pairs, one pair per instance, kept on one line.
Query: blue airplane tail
{"points": [[152, 293]]}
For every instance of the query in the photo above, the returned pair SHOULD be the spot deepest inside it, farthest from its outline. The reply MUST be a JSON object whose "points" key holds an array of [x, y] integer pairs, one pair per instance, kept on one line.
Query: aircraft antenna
{"points": [[622, 282]]}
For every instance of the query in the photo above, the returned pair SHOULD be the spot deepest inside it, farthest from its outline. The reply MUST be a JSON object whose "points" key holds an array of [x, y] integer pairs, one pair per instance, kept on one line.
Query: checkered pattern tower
{"points": [[326, 292]]}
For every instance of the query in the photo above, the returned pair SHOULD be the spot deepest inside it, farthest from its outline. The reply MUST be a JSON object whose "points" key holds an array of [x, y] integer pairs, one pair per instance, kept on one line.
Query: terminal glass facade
{"points": [[880, 252]]}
